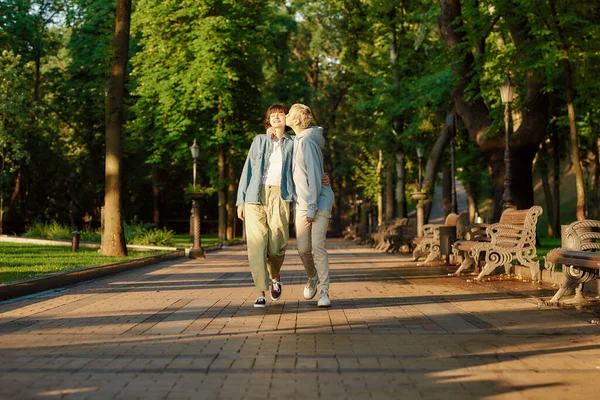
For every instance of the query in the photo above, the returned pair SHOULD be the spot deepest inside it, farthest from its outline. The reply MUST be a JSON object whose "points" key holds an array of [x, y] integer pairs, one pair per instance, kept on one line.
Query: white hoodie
{"points": [[307, 170]]}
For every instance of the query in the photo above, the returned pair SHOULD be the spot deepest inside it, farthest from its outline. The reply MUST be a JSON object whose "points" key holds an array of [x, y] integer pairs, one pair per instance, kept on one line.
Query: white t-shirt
{"points": [[272, 175]]}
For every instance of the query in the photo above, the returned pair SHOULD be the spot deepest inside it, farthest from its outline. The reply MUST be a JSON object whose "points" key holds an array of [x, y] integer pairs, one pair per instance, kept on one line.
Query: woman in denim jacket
{"points": [[265, 193]]}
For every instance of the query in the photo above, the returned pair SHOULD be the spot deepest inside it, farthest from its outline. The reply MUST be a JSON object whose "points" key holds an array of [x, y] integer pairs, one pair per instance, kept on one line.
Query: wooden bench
{"points": [[403, 236], [511, 239], [382, 238], [578, 256], [475, 233], [428, 245]]}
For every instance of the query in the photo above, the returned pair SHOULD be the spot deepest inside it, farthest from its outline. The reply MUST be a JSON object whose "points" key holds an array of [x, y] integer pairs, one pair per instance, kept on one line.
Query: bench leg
{"points": [[493, 259], [418, 252], [434, 253], [574, 278], [526, 259], [566, 284], [466, 263]]}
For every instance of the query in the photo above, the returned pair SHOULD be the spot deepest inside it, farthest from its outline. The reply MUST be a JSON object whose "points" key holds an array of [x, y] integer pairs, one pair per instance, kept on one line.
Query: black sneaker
{"points": [[260, 302], [276, 291]]}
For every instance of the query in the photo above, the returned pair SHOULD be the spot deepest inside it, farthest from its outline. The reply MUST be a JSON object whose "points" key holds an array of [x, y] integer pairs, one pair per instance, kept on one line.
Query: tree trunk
{"points": [[447, 191], [222, 194], [12, 204], [574, 145], [231, 209], [544, 175], [473, 211], [400, 185], [574, 150], [401, 207], [555, 141], [113, 244], [434, 158], [380, 192], [155, 196], [595, 185], [389, 193]]}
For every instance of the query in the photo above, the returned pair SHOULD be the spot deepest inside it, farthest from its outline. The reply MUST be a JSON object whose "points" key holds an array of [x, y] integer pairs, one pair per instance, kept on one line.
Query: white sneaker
{"points": [[324, 299], [311, 288], [260, 302]]}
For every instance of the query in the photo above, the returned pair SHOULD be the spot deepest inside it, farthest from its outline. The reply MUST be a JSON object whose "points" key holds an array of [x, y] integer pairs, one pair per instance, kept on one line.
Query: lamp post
{"points": [[451, 125], [195, 149], [420, 196], [507, 92], [420, 157], [196, 250]]}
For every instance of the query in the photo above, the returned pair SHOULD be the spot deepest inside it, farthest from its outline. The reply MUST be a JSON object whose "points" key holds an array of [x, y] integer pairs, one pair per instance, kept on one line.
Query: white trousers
{"points": [[311, 245]]}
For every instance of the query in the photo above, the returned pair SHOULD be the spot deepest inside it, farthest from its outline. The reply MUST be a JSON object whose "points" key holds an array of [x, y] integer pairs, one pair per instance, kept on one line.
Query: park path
{"points": [[187, 330]]}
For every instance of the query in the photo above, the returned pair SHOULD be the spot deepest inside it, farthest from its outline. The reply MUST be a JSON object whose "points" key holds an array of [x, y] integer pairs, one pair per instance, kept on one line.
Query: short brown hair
{"points": [[302, 113], [274, 108]]}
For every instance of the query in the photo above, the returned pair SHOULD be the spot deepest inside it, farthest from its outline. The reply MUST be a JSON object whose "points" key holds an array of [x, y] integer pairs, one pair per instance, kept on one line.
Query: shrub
{"points": [[52, 230], [154, 237], [142, 234], [90, 235]]}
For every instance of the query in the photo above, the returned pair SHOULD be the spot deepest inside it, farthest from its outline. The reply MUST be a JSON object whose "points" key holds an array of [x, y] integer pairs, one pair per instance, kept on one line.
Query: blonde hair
{"points": [[302, 113]]}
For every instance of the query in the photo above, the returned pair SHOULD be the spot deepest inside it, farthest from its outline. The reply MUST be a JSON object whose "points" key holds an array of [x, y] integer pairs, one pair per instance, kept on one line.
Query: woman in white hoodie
{"points": [[313, 204]]}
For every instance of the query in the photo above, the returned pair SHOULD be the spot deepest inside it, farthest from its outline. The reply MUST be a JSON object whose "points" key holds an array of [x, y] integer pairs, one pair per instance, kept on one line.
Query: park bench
{"points": [[578, 256], [381, 238], [428, 245], [403, 236], [511, 239]]}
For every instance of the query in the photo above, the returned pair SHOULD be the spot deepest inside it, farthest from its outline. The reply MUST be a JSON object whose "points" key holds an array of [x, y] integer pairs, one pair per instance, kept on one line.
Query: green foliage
{"points": [[207, 69], [135, 233], [367, 177], [208, 191], [49, 230], [154, 237]]}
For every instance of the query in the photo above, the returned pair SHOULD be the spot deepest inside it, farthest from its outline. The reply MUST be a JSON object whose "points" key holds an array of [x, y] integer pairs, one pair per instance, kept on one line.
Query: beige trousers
{"points": [[311, 245], [267, 233]]}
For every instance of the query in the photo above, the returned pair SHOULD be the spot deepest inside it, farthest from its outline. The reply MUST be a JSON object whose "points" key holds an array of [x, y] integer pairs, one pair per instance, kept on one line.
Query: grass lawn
{"points": [[546, 244], [183, 240], [20, 261]]}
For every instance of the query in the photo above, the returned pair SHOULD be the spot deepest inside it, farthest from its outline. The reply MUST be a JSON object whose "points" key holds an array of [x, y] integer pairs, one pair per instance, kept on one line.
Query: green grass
{"points": [[546, 244], [183, 240], [20, 261]]}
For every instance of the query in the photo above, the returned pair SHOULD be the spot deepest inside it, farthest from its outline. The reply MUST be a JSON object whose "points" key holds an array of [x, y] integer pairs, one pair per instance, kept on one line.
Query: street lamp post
{"points": [[196, 250], [451, 125], [507, 92], [420, 158], [420, 196]]}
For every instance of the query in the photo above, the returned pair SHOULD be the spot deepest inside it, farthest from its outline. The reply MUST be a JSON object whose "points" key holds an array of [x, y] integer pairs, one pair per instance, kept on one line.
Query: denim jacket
{"points": [[254, 167]]}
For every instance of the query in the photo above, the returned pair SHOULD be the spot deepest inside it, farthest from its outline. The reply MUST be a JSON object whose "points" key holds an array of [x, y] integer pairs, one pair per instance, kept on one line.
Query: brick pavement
{"points": [[187, 330]]}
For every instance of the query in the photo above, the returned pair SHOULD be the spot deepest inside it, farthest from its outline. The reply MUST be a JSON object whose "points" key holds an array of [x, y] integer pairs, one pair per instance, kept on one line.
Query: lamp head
{"points": [[195, 149], [420, 150], [507, 90]]}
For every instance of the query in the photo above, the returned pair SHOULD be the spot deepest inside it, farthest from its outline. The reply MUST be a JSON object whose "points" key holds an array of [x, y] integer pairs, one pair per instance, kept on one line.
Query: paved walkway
{"points": [[187, 330]]}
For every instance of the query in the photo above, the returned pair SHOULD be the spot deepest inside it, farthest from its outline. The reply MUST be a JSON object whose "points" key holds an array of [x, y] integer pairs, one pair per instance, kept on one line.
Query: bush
{"points": [[90, 235], [154, 237], [52, 230], [142, 234]]}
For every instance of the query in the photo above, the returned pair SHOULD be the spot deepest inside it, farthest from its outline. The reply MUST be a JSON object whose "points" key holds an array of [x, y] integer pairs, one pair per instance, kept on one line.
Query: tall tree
{"points": [[198, 73], [474, 91], [113, 236]]}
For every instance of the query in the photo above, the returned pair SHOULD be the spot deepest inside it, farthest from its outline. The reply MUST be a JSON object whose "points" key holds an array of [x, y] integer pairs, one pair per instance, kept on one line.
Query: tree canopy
{"points": [[381, 77]]}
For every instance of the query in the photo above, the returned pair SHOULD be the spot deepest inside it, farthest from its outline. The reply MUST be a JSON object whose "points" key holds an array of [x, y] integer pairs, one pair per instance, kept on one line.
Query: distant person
{"points": [[313, 203]]}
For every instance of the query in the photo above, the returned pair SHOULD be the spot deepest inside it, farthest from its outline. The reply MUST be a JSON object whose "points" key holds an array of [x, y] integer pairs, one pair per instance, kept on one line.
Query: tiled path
{"points": [[187, 330]]}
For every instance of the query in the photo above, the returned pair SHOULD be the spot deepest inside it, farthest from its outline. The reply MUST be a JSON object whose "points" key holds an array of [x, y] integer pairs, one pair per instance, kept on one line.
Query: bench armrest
{"points": [[477, 232], [494, 228]]}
